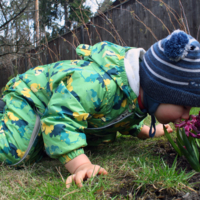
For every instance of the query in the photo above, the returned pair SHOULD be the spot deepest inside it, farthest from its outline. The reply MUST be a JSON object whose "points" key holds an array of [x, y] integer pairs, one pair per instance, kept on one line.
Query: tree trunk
{"points": [[66, 16], [37, 21]]}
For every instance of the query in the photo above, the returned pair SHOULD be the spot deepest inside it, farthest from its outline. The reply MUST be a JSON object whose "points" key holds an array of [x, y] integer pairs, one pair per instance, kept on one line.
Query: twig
{"points": [[198, 32], [153, 15], [96, 29], [16, 15], [69, 193], [139, 20], [105, 30], [113, 27], [184, 17], [68, 42], [173, 12], [154, 187], [168, 12], [60, 174], [84, 24], [188, 187], [138, 188]]}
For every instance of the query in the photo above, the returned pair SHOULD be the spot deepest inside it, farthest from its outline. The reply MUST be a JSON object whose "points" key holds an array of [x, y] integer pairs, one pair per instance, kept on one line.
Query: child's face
{"points": [[166, 113]]}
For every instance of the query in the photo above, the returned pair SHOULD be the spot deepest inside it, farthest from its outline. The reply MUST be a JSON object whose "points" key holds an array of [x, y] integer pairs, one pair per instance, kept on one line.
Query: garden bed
{"points": [[165, 151]]}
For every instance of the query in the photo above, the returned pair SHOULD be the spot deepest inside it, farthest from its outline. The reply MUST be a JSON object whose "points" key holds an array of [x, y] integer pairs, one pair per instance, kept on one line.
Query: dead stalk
{"points": [[173, 12], [58, 170], [189, 188], [112, 27], [188, 30], [154, 15], [69, 193], [198, 32]]}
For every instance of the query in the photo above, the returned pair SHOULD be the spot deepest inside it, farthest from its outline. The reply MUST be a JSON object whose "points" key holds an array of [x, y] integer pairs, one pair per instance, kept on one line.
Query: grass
{"points": [[158, 174], [133, 169]]}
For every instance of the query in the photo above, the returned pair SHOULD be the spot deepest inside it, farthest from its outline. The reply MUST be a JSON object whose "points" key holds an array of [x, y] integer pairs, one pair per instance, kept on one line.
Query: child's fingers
{"points": [[97, 170], [69, 180], [168, 127], [102, 171], [93, 172], [170, 130], [77, 178], [80, 176]]}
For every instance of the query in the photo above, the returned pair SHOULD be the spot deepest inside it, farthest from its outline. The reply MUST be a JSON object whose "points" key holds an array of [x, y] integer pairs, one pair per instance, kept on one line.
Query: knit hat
{"points": [[170, 71]]}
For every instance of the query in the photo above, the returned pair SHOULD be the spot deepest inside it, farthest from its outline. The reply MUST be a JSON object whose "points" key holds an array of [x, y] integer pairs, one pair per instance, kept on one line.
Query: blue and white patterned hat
{"points": [[170, 70]]}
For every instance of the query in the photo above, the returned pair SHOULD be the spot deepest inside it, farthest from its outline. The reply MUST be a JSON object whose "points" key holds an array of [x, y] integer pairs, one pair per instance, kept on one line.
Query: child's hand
{"points": [[160, 131], [83, 172], [144, 133], [81, 168]]}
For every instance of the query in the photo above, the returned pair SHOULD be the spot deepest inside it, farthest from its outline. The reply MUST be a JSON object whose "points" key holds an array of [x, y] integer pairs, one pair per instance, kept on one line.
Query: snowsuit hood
{"points": [[110, 58]]}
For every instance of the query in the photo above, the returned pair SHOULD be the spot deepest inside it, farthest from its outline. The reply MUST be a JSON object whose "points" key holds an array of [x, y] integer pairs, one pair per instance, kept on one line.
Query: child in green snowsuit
{"points": [[85, 102]]}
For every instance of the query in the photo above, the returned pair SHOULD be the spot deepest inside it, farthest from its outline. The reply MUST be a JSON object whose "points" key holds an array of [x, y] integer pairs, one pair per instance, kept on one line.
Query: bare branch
{"points": [[15, 15]]}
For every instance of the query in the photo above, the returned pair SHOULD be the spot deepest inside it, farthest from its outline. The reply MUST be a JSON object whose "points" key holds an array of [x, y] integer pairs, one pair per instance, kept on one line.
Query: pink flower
{"points": [[191, 126]]}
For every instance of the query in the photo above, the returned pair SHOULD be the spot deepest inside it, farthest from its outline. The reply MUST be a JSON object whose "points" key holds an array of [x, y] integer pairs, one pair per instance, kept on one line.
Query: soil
{"points": [[165, 151]]}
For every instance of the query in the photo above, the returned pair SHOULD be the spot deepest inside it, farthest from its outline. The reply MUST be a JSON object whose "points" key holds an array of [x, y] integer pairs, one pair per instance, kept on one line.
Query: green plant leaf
{"points": [[198, 143], [188, 145], [179, 136], [192, 160], [172, 141], [189, 152], [194, 146]]}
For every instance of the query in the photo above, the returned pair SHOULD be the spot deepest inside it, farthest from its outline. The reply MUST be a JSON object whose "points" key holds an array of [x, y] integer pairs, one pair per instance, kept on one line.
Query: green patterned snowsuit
{"points": [[80, 102]]}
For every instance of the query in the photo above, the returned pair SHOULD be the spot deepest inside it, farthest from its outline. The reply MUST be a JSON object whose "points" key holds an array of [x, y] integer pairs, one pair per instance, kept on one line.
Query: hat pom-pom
{"points": [[176, 45]]}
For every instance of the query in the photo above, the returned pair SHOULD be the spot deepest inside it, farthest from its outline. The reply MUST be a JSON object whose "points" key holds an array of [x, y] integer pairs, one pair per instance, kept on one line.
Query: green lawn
{"points": [[131, 163]]}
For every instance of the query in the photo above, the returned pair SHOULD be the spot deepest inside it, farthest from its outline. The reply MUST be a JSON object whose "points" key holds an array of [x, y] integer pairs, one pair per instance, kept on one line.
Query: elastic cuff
{"points": [[135, 130], [73, 154]]}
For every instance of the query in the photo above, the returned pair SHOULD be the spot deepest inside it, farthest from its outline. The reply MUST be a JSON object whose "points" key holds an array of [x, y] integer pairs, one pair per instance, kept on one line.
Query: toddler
{"points": [[85, 102]]}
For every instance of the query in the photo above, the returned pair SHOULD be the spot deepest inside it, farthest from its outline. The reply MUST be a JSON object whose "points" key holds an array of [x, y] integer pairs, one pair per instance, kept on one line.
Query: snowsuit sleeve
{"points": [[62, 128], [67, 111]]}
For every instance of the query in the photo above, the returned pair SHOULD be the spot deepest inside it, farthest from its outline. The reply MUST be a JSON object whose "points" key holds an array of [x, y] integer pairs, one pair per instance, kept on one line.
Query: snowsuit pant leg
{"points": [[16, 125]]}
